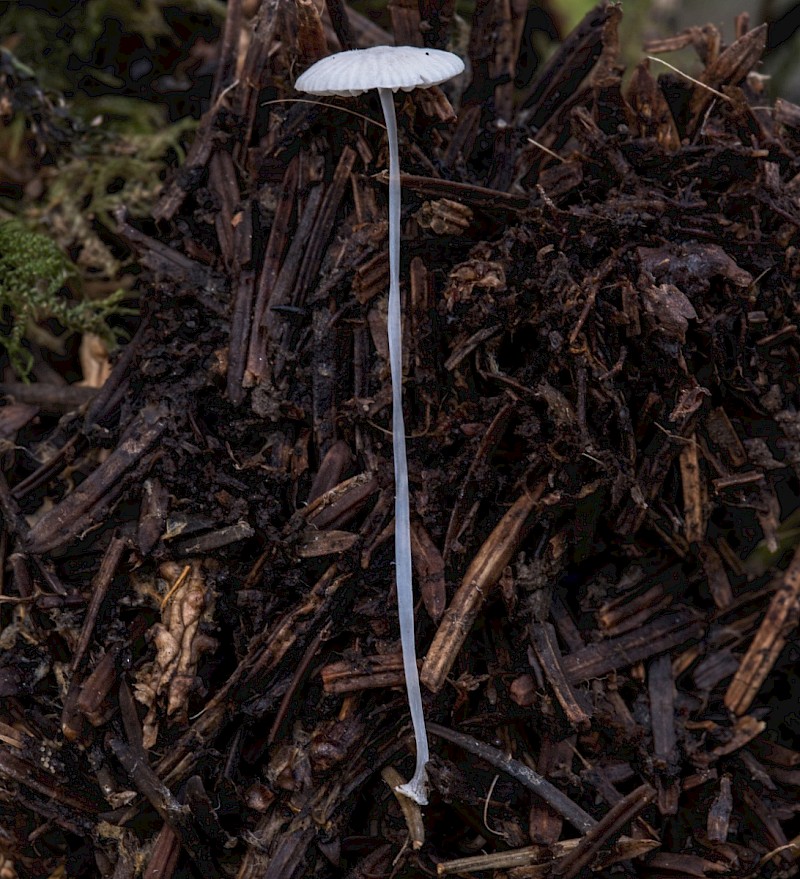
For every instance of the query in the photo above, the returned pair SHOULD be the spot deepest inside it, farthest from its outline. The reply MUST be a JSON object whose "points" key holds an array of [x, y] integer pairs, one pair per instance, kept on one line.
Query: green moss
{"points": [[34, 280], [85, 171]]}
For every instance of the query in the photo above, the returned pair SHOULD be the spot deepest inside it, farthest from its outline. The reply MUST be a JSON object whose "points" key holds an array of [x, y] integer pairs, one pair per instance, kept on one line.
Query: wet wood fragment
{"points": [[519, 861], [411, 810], [51, 797], [429, 570], [330, 470], [371, 278], [341, 23], [632, 610], [51, 398], [310, 33], [661, 688], [264, 653], [718, 581], [481, 576], [277, 244], [719, 815], [99, 588], [82, 508], [781, 618], [363, 673], [544, 643], [162, 800], [212, 540], [314, 544], [722, 434], [609, 826], [730, 68], [652, 112], [164, 856], [569, 65], [545, 826], [340, 504], [405, 16], [153, 515], [521, 773], [693, 496], [661, 636]]}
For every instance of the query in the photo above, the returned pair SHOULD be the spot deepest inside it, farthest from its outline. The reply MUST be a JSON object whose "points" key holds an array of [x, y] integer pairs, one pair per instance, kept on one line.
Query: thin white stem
{"points": [[416, 789]]}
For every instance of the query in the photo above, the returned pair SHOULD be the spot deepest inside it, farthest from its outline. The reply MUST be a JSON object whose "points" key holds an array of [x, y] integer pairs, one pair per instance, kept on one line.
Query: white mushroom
{"points": [[389, 68]]}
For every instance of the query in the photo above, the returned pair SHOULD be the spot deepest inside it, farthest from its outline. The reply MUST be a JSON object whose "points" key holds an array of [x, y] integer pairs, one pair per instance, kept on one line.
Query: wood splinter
{"points": [[481, 576], [782, 616]]}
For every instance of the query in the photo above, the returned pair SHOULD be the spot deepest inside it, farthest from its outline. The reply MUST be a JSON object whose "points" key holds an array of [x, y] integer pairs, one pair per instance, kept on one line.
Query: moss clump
{"points": [[34, 275]]}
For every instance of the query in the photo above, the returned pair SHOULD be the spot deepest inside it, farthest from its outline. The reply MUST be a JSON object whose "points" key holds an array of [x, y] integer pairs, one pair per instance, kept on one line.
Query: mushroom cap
{"points": [[389, 67]]}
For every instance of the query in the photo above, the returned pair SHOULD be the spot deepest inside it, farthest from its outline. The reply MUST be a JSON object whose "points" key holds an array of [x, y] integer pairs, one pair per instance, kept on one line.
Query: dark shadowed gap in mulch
{"points": [[200, 663]]}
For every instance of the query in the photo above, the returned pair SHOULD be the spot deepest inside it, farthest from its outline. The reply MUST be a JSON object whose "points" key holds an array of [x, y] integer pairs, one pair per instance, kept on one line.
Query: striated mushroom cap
{"points": [[388, 67]]}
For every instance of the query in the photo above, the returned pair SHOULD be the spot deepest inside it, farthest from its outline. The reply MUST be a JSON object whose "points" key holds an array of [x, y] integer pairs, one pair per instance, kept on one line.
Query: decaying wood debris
{"points": [[200, 665]]}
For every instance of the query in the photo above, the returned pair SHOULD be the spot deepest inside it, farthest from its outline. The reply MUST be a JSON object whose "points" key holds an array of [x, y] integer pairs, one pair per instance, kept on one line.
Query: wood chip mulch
{"points": [[200, 667]]}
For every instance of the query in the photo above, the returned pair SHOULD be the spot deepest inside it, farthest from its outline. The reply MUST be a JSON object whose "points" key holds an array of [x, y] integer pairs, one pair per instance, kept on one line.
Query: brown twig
{"points": [[481, 577], [609, 825], [557, 800]]}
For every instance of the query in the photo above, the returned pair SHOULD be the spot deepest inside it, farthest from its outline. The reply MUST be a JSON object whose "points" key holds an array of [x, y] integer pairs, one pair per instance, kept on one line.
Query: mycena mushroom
{"points": [[389, 68]]}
